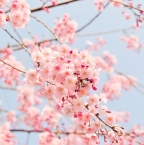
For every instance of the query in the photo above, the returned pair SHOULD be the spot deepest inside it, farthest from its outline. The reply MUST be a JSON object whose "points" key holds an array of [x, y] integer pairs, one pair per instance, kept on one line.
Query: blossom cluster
{"points": [[65, 76], [19, 13], [33, 116], [54, 2], [65, 29], [132, 42], [100, 43], [27, 97], [32, 44], [36, 119], [135, 135], [112, 88], [121, 116], [66, 71], [100, 4], [49, 138], [6, 136], [63, 83], [106, 62], [9, 75]]}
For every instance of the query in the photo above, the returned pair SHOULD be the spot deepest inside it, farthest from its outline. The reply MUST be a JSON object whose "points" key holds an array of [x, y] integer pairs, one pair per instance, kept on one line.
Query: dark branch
{"points": [[52, 6]]}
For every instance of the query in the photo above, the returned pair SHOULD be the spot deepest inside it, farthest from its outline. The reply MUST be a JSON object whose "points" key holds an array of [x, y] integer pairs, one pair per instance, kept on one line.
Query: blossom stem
{"points": [[47, 28], [13, 67]]}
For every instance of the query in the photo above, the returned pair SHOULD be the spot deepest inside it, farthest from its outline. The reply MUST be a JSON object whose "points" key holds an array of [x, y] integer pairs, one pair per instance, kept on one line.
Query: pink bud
{"points": [[1, 12], [75, 115], [94, 88], [82, 66], [108, 111], [71, 52], [80, 114], [68, 61]]}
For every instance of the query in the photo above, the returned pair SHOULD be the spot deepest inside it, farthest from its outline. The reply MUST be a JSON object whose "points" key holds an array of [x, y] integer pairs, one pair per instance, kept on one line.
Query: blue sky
{"points": [[129, 62]]}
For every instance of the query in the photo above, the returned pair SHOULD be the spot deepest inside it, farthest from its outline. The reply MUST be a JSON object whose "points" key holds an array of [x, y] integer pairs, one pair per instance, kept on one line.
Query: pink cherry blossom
{"points": [[78, 104], [19, 15], [93, 99], [115, 4], [54, 2], [110, 118], [99, 5], [8, 74], [2, 18], [6, 136], [65, 29], [132, 42], [3, 3], [68, 111], [11, 116], [49, 91]]}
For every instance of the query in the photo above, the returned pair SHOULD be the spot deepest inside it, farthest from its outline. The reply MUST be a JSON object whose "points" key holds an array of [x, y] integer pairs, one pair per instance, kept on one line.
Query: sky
{"points": [[128, 61]]}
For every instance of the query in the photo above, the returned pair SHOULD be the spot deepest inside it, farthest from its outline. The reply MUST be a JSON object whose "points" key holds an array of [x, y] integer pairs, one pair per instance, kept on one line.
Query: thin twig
{"points": [[47, 28], [12, 66], [19, 47], [49, 6], [52, 6], [139, 90], [8, 88], [44, 3], [27, 141], [134, 86], [16, 40], [129, 6], [114, 128], [139, 84], [87, 24], [80, 35], [28, 30], [111, 127], [18, 35], [106, 32]]}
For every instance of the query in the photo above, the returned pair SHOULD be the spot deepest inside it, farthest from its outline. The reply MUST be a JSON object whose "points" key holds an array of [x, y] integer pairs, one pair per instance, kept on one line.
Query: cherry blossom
{"points": [[132, 42], [2, 18], [99, 5], [6, 137], [112, 88], [60, 97], [3, 3], [65, 28], [10, 75]]}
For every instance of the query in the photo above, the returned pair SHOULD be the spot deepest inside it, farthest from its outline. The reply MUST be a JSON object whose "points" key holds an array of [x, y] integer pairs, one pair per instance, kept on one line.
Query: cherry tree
{"points": [[59, 90]]}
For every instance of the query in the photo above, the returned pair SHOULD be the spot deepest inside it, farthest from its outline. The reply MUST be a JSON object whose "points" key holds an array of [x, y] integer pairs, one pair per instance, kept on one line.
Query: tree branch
{"points": [[87, 24], [135, 86], [18, 47], [47, 28], [12, 66], [16, 40], [39, 131], [106, 32], [59, 132], [52, 6], [8, 88], [129, 6], [81, 35]]}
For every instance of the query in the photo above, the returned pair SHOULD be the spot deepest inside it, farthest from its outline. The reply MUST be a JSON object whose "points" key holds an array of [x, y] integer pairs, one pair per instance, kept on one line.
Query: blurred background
{"points": [[128, 61]]}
